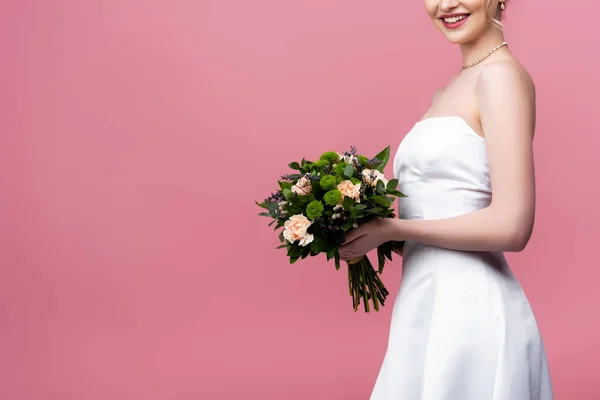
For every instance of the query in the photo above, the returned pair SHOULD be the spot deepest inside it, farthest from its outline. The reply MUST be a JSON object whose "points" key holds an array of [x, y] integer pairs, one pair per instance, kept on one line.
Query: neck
{"points": [[473, 51]]}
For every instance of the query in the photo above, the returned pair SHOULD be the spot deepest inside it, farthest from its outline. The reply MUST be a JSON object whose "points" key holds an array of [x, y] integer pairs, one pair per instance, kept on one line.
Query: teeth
{"points": [[453, 20]]}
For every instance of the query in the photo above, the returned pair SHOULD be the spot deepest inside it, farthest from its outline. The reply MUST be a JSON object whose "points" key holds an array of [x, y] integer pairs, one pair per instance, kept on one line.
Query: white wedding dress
{"points": [[462, 327]]}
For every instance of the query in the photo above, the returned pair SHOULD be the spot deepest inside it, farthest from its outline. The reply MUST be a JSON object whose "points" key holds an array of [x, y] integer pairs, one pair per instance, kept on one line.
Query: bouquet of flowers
{"points": [[327, 198]]}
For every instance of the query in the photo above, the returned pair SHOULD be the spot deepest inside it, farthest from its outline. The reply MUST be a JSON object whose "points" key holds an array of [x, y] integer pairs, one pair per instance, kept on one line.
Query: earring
{"points": [[502, 4]]}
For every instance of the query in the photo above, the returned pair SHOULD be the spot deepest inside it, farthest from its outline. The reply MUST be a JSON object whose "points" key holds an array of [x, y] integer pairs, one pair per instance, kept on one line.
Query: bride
{"points": [[462, 327]]}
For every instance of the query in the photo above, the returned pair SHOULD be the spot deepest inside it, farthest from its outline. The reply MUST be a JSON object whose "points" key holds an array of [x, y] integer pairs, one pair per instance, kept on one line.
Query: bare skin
{"points": [[497, 99]]}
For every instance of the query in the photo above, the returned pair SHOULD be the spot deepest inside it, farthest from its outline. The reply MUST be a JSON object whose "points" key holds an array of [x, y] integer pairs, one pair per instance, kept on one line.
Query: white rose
{"points": [[302, 187], [372, 176]]}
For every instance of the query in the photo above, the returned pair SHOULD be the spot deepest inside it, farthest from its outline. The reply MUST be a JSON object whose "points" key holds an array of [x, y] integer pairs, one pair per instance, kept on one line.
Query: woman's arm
{"points": [[506, 99]]}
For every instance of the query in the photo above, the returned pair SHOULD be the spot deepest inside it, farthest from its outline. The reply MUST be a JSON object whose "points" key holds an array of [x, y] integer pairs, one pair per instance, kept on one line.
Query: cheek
{"points": [[431, 7]]}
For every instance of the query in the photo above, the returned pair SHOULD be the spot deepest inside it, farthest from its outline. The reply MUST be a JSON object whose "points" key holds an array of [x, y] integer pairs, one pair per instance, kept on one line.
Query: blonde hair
{"points": [[491, 8]]}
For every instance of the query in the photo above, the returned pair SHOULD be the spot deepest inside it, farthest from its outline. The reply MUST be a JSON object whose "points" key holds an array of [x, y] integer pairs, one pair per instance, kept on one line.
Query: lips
{"points": [[453, 21]]}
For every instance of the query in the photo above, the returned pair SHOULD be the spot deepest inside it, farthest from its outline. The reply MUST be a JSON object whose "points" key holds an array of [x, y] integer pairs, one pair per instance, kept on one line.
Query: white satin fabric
{"points": [[462, 327]]}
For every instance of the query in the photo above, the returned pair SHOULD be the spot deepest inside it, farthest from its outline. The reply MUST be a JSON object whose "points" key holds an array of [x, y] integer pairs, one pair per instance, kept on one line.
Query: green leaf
{"points": [[348, 225], [279, 224], [318, 244], [381, 259], [383, 201], [388, 252], [294, 165], [349, 171], [265, 214], [281, 246], [376, 210], [359, 207], [294, 259], [348, 203], [287, 193], [263, 205], [383, 156], [380, 187], [337, 260], [392, 184], [331, 250], [396, 193], [285, 185], [294, 251], [302, 200]]}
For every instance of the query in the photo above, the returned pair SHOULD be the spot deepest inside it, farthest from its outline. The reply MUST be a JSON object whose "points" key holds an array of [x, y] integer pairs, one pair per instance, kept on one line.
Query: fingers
{"points": [[352, 250], [354, 234]]}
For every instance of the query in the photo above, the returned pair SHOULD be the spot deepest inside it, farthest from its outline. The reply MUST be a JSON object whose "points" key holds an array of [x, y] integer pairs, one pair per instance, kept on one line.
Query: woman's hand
{"points": [[365, 238]]}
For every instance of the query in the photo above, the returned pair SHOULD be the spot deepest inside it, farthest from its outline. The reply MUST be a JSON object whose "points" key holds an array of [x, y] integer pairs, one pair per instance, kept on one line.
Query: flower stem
{"points": [[364, 282]]}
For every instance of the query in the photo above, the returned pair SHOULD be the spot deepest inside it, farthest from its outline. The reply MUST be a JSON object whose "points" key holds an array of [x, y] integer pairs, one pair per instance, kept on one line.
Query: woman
{"points": [[462, 327]]}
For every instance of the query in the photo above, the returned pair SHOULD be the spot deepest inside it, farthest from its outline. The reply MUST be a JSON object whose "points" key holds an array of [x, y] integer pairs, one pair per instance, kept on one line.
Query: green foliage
{"points": [[330, 156], [319, 207], [392, 184], [383, 156], [321, 163], [333, 197], [285, 185], [314, 210], [328, 182], [348, 203], [380, 187], [348, 171], [339, 168]]}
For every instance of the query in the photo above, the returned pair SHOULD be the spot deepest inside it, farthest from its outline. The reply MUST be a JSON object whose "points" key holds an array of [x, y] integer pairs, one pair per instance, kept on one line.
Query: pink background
{"points": [[136, 136]]}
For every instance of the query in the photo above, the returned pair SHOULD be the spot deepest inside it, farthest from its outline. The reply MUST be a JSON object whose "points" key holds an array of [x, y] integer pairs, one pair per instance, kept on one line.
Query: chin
{"points": [[460, 39]]}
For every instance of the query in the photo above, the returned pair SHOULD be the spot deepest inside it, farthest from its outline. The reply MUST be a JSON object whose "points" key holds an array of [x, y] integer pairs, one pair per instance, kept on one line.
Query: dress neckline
{"points": [[455, 117]]}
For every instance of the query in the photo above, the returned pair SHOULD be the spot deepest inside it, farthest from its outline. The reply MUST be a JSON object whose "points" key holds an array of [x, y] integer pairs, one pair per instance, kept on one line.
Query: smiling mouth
{"points": [[454, 20]]}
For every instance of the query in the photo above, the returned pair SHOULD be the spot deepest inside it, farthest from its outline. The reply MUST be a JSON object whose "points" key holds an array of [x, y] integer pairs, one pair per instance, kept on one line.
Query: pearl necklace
{"points": [[484, 57]]}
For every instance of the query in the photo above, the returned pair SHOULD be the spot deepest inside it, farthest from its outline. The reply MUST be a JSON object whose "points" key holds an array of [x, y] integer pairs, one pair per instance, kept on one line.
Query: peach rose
{"points": [[372, 176], [295, 229], [302, 187], [349, 189]]}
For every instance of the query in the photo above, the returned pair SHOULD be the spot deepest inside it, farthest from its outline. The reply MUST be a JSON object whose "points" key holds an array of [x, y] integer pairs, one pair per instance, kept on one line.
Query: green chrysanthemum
{"points": [[364, 161], [321, 163], [328, 182], [333, 197], [314, 210], [355, 180], [339, 168], [330, 156]]}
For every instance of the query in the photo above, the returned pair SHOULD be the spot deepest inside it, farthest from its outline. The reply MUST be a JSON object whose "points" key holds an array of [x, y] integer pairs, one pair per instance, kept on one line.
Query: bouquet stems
{"points": [[364, 282]]}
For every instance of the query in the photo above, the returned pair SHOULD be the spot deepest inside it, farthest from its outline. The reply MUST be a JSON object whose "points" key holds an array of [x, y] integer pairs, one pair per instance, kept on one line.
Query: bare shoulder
{"points": [[505, 94], [507, 76]]}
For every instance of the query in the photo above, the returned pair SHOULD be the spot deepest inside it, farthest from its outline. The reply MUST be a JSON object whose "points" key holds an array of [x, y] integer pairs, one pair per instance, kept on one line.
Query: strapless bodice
{"points": [[442, 167]]}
